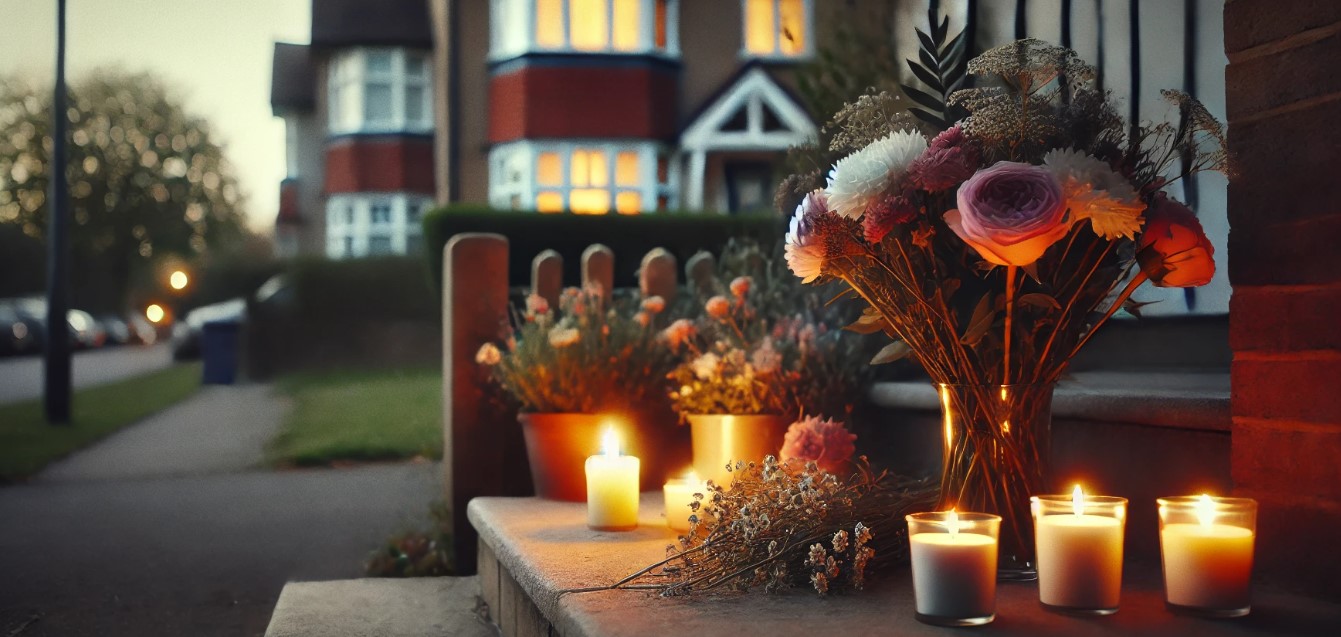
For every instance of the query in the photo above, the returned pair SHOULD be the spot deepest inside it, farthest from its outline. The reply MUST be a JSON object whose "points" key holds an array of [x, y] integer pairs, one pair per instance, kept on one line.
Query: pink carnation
{"points": [[949, 161], [886, 214], [825, 442]]}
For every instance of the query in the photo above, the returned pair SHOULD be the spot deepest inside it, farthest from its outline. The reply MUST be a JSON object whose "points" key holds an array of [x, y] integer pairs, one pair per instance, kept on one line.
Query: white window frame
{"points": [[359, 232], [348, 75], [808, 46], [506, 16], [512, 172]]}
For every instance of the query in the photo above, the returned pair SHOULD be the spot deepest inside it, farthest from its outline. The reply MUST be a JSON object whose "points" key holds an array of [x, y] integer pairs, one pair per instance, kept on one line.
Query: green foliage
{"points": [[630, 236], [146, 179], [416, 553], [590, 355], [363, 415], [854, 57], [28, 443], [385, 288], [941, 66]]}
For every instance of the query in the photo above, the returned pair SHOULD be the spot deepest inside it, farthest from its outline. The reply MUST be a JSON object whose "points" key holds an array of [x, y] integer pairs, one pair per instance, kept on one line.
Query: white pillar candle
{"points": [[1207, 562], [1080, 553], [679, 494], [954, 566], [612, 488]]}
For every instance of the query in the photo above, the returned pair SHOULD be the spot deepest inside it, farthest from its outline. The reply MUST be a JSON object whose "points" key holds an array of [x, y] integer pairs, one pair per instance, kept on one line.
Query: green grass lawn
{"points": [[28, 443], [344, 415]]}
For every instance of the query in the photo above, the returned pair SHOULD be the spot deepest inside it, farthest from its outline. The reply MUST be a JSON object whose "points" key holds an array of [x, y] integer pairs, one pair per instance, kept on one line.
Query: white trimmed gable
{"points": [[753, 114]]}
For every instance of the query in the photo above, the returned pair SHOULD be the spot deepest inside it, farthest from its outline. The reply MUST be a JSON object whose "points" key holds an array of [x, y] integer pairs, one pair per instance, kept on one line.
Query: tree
{"points": [[147, 181]]}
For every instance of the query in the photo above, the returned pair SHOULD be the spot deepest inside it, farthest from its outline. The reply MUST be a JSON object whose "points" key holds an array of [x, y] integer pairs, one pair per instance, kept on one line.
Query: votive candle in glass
{"points": [[1078, 539], [612, 488], [1206, 548], [954, 559], [679, 494]]}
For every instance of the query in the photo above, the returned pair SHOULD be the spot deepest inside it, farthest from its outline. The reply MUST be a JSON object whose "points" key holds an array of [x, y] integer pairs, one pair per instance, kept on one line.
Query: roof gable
{"points": [[752, 112]]}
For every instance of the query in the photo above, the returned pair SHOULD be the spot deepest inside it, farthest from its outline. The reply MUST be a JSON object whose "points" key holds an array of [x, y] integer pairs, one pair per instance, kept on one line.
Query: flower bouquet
{"points": [[575, 370], [993, 252], [746, 373]]}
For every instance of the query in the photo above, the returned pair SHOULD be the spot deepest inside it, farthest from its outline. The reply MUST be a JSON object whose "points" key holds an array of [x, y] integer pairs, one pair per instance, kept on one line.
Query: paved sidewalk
{"points": [[222, 428], [21, 376]]}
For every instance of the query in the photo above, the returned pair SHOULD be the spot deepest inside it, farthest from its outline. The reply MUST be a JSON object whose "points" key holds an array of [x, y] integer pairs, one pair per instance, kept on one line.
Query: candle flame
{"points": [[1205, 510], [1078, 501], [610, 442], [952, 521]]}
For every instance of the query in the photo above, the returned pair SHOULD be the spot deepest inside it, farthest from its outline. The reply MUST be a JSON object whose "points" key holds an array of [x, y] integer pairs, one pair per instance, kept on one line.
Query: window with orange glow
{"points": [[628, 203], [776, 27], [595, 26], [660, 8], [549, 31], [549, 202], [626, 169], [548, 169], [587, 24], [581, 177], [624, 26]]}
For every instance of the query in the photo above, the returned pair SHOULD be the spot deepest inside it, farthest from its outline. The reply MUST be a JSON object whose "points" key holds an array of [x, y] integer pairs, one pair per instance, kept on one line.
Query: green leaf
{"points": [[1039, 299], [980, 322], [922, 98], [892, 352], [934, 120], [926, 76]]}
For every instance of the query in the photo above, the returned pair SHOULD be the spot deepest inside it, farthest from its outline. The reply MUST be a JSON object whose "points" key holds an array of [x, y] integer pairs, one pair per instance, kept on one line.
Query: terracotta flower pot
{"points": [[721, 438], [558, 445]]}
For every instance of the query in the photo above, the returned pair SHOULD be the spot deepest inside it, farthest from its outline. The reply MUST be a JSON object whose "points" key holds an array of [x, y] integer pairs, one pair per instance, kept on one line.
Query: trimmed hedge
{"points": [[629, 236]]}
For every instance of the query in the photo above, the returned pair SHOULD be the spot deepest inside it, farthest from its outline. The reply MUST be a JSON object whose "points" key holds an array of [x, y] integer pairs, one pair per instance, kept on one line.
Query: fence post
{"points": [[657, 275], [547, 276], [598, 267], [701, 270], [475, 455]]}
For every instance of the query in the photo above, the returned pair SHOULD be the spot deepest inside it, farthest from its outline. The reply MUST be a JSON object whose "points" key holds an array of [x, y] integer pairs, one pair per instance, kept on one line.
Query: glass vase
{"points": [[995, 457]]}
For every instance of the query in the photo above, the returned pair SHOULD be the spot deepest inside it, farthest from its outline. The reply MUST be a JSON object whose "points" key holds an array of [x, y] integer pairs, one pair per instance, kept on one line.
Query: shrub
{"points": [[631, 236]]}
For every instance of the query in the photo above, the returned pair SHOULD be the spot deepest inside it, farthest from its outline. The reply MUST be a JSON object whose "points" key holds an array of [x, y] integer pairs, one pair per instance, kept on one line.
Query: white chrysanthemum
{"points": [[859, 178], [1096, 192], [803, 253]]}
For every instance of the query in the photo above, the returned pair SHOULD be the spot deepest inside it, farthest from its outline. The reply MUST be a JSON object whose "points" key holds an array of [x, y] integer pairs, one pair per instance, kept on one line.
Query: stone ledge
{"points": [[1186, 400], [546, 548], [437, 606]]}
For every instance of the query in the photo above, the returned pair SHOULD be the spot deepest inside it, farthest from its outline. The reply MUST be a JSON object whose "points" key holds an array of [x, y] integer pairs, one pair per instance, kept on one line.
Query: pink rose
{"points": [[824, 442], [1174, 251], [946, 163], [718, 307], [1011, 213]]}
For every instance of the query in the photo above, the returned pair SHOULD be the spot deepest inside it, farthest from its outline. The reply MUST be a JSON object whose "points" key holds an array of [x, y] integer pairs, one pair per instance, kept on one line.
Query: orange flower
{"points": [[1174, 251]]}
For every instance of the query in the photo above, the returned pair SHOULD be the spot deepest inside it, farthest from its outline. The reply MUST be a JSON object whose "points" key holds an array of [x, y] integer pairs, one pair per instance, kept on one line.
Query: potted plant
{"points": [[747, 369], [573, 372]]}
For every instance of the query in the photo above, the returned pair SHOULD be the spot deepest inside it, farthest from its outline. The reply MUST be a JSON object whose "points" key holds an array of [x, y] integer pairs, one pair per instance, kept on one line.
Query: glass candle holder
{"points": [[954, 560], [1079, 543], [1206, 549]]}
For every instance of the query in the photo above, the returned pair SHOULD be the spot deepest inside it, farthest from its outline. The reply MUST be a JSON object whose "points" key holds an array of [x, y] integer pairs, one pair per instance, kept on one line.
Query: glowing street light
{"points": [[178, 280], [154, 313]]}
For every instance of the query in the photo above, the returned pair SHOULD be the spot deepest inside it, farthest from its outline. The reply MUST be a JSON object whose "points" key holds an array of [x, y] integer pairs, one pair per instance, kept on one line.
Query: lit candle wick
{"points": [[610, 442], [1078, 501], [1206, 510], [953, 522]]}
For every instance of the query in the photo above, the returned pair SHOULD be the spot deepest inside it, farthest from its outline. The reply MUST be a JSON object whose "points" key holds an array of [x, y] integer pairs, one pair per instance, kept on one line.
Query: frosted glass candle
{"points": [[679, 493], [954, 559], [1079, 548], [612, 488], [1206, 548]]}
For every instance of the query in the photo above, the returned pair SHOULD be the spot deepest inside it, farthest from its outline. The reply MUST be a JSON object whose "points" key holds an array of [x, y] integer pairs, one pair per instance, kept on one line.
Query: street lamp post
{"points": [[57, 362]]}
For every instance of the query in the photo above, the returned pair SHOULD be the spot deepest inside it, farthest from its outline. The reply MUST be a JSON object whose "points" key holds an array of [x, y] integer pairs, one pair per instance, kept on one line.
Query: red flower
{"points": [[1174, 251]]}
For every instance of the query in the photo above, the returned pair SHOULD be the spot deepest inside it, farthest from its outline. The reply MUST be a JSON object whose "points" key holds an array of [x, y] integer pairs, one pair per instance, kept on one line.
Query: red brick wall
{"points": [[582, 101], [1284, 102], [379, 164]]}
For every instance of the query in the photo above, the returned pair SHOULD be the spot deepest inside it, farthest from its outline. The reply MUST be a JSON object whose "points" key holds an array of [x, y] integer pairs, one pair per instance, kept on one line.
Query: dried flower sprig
{"points": [[782, 525]]}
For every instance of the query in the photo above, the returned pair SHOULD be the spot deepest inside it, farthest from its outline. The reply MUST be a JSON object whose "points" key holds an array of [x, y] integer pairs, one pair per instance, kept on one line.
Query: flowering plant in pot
{"points": [[746, 372], [991, 250], [576, 370]]}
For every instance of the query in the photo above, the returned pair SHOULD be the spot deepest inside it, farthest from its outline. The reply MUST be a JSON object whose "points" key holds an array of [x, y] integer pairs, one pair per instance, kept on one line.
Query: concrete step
{"points": [[418, 607]]}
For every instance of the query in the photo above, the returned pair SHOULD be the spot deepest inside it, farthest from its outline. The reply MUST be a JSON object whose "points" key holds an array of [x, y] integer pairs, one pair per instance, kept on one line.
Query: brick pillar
{"points": [[1284, 101]]}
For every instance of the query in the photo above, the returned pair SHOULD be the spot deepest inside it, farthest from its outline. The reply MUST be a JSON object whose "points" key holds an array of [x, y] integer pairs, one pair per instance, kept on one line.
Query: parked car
{"points": [[19, 334], [85, 331], [186, 332]]}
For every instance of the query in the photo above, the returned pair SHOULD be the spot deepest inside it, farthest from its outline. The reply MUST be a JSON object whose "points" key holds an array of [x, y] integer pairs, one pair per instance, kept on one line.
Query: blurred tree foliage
{"points": [[147, 181]]}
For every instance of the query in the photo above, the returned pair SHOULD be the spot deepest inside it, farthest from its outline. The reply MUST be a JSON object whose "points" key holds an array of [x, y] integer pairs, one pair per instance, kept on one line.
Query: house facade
{"points": [[642, 106]]}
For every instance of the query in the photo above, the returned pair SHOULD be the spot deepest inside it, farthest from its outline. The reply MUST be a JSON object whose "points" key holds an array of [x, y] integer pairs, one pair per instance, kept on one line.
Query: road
{"points": [[21, 376]]}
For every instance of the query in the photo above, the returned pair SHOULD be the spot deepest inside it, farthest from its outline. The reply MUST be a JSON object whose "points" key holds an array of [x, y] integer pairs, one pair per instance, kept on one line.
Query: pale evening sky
{"points": [[214, 54]]}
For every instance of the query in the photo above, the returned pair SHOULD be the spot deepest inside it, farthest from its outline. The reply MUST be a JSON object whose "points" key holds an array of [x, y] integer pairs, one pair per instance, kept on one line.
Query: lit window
{"points": [[777, 28], [549, 202], [582, 178], [549, 169], [626, 169], [589, 26], [629, 203]]}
